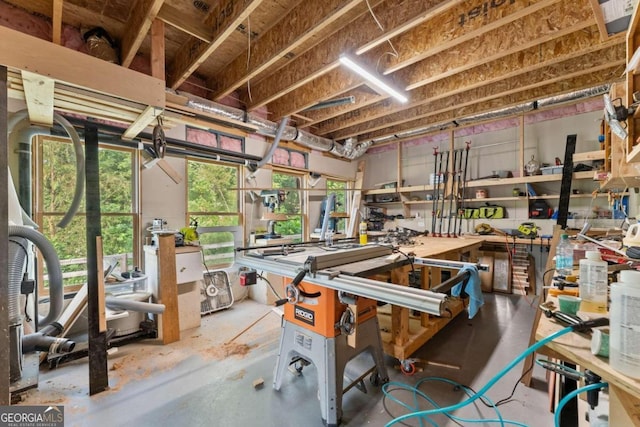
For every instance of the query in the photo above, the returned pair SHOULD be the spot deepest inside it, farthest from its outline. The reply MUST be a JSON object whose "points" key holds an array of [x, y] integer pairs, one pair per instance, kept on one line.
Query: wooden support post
{"points": [[169, 321], [521, 147], [355, 201], [399, 315], [98, 374], [5, 395], [157, 49], [56, 21]]}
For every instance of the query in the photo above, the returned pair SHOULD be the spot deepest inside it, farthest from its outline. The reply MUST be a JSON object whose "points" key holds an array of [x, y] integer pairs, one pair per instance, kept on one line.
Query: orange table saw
{"points": [[331, 306]]}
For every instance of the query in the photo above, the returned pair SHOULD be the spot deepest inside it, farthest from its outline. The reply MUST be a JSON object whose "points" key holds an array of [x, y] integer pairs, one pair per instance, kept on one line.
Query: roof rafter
{"points": [[459, 105], [223, 18], [297, 27], [361, 32], [556, 50], [142, 15]]}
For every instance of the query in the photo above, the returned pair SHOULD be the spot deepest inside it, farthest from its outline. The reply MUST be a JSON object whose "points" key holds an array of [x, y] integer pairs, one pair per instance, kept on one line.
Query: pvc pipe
{"points": [[127, 304]]}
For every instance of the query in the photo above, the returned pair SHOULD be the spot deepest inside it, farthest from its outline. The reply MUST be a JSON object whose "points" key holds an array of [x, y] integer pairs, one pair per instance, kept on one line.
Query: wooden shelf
{"points": [[527, 179], [418, 202], [588, 156], [497, 199]]}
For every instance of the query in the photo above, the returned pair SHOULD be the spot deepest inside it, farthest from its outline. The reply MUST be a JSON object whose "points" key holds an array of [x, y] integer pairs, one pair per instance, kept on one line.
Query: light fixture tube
{"points": [[371, 78]]}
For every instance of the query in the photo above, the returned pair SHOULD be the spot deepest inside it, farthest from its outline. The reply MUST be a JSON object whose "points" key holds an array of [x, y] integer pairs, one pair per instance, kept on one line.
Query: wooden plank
{"points": [[102, 308], [303, 22], [359, 34], [158, 50], [145, 118], [136, 29], [356, 199], [178, 19], [5, 343], [501, 272], [169, 321], [599, 16], [624, 409], [56, 21], [486, 277], [24, 52], [588, 156], [224, 17], [38, 92]]}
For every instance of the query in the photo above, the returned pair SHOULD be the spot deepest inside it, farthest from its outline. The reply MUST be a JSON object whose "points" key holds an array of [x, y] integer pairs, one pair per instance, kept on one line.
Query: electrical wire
{"points": [[260, 276], [489, 384]]}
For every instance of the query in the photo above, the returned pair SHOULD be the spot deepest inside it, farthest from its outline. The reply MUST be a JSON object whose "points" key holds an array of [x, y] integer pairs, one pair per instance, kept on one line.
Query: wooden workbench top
{"points": [[577, 348], [428, 247]]}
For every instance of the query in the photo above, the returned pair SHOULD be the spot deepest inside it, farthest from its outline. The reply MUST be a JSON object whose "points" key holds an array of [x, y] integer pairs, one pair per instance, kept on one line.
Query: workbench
{"points": [[403, 332], [624, 392]]}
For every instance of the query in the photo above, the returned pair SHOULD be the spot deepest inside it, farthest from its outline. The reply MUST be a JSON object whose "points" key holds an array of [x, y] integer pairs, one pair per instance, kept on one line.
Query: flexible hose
{"points": [[23, 115], [274, 145], [487, 386], [573, 394], [56, 295], [140, 306]]}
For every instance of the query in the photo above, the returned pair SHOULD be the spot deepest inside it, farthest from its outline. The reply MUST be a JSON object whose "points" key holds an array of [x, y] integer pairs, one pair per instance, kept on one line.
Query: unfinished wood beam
{"points": [[301, 24], [553, 89], [595, 61], [457, 26], [599, 17], [475, 45], [56, 21], [38, 93], [142, 15], [358, 35], [26, 52], [224, 18], [453, 72], [145, 118], [176, 18], [158, 50]]}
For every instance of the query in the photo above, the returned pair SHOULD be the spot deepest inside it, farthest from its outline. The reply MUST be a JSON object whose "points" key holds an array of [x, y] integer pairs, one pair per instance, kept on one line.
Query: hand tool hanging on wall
{"points": [[434, 184], [452, 190], [458, 186], [436, 197], [444, 194], [464, 185]]}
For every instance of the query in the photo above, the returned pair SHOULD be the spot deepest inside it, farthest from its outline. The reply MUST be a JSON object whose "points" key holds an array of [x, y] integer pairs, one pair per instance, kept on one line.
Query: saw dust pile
{"points": [[227, 350]]}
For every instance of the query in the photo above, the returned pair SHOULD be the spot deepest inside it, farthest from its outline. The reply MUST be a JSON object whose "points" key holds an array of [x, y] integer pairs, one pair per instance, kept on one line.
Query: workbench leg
{"points": [[624, 409]]}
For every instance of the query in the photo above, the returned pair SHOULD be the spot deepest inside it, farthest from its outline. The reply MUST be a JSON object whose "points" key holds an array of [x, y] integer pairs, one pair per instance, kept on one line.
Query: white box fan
{"points": [[215, 292]]}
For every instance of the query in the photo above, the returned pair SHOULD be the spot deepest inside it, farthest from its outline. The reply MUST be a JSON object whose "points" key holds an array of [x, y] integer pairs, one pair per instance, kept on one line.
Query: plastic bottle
{"points": [[564, 256], [624, 327], [362, 230], [593, 283]]}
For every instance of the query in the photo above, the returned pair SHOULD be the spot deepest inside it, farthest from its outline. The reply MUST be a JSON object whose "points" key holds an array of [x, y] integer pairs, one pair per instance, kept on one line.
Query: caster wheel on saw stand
{"points": [[408, 368], [376, 381]]}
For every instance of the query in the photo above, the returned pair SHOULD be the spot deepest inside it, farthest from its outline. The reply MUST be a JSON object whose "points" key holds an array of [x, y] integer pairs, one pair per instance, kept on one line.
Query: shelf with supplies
{"points": [[527, 179]]}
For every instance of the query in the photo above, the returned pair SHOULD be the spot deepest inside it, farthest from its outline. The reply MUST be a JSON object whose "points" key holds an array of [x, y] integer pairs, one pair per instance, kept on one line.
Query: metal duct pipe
{"points": [[351, 149], [269, 128], [503, 112]]}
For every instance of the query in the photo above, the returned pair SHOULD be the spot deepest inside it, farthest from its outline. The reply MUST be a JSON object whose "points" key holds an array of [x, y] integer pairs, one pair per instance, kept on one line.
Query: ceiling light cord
{"points": [[395, 53]]}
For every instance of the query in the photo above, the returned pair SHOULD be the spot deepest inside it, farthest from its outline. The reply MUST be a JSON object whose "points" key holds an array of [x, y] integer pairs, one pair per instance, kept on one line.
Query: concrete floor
{"points": [[200, 381]]}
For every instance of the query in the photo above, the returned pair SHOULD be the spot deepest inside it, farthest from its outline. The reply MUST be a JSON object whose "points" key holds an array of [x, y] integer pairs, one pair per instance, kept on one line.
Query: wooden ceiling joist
{"points": [[300, 25], [460, 77], [56, 21], [223, 18], [476, 45], [584, 81], [147, 117], [324, 57], [142, 15], [599, 16], [173, 16], [482, 93], [421, 42]]}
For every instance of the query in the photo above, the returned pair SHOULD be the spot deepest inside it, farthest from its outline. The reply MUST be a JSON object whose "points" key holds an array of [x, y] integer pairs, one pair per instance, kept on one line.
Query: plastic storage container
{"points": [[624, 328], [564, 256], [593, 283]]}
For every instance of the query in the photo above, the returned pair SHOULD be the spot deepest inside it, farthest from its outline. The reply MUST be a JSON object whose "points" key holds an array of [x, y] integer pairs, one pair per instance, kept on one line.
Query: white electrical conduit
{"points": [[23, 115], [140, 306]]}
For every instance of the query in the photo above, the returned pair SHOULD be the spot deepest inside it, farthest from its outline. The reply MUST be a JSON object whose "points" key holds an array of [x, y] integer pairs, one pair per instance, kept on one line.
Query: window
{"points": [[55, 163], [212, 201], [292, 205], [339, 189]]}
